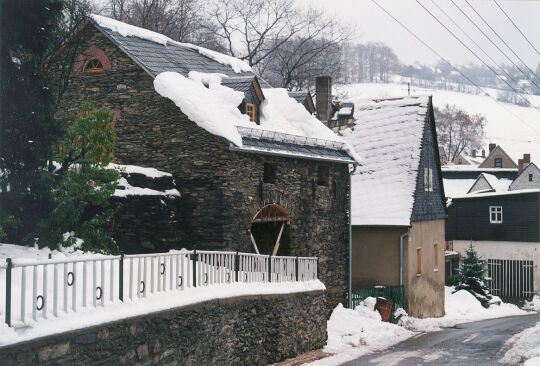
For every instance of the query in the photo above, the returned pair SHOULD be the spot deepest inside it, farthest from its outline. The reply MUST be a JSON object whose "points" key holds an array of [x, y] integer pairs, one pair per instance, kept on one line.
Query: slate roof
{"points": [[388, 139]]}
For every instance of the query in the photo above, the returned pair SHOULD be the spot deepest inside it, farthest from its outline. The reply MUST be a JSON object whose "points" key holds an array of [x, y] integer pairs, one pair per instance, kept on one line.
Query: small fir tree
{"points": [[84, 184], [472, 279]]}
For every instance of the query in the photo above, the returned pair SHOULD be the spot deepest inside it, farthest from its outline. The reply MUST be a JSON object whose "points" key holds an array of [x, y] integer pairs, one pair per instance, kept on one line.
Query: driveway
{"points": [[476, 343]]}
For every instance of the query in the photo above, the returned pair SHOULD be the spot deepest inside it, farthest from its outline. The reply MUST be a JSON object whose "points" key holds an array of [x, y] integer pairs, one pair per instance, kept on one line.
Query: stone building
{"points": [[398, 209], [263, 185]]}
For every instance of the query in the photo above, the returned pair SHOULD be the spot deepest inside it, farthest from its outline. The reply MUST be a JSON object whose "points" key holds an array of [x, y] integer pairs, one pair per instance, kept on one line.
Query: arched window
{"points": [[93, 65]]}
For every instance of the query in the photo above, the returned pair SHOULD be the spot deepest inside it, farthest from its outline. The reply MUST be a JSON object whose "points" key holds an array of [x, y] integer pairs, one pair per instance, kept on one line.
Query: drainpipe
{"points": [[401, 243], [350, 234]]}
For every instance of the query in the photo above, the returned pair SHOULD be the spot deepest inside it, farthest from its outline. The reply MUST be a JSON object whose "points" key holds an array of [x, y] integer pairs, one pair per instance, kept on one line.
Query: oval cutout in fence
{"points": [[142, 286], [99, 293], [228, 276], [162, 270], [70, 278], [206, 278], [38, 306]]}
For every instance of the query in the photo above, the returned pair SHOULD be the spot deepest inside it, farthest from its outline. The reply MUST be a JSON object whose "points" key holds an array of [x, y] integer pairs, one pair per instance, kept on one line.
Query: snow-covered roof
{"points": [[387, 138], [457, 187], [208, 87], [493, 194]]}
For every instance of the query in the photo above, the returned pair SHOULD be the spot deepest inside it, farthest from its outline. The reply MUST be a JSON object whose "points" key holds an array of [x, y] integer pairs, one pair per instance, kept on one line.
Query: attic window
{"points": [[269, 175], [93, 65], [251, 111], [323, 175], [530, 177], [498, 163], [428, 179]]}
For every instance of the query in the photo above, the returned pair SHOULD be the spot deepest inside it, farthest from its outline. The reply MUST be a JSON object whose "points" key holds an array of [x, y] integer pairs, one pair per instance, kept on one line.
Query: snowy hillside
{"points": [[515, 135]]}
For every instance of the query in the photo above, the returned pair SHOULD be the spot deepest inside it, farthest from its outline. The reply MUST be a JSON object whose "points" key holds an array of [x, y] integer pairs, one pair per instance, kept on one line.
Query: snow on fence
{"points": [[45, 288]]}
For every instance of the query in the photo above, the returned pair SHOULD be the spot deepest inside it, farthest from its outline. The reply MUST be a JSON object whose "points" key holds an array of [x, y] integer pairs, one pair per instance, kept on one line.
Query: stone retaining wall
{"points": [[247, 330]]}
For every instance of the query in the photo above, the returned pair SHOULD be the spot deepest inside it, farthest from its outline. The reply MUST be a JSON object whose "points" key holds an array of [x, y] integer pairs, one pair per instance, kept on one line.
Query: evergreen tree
{"points": [[28, 130], [472, 279]]}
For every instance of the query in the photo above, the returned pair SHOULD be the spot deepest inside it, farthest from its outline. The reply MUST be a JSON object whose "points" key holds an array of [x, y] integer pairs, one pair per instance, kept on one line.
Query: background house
{"points": [[398, 210], [255, 171]]}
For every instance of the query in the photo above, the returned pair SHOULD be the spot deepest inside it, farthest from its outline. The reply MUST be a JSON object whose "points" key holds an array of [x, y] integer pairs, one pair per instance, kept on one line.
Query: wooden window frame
{"points": [[251, 111], [418, 262], [93, 70], [495, 163], [530, 177], [428, 179], [495, 214]]}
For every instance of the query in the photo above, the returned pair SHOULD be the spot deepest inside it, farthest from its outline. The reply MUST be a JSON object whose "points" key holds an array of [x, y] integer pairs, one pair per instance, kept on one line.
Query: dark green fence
{"points": [[394, 293]]}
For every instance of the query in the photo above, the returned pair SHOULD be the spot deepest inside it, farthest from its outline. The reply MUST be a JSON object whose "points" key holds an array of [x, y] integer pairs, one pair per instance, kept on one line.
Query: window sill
{"points": [[435, 270], [418, 275]]}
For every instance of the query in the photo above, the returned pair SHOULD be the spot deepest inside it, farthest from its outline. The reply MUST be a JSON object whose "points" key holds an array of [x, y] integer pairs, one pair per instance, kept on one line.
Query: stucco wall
{"points": [[375, 255], [220, 189], [425, 292], [250, 330], [505, 250]]}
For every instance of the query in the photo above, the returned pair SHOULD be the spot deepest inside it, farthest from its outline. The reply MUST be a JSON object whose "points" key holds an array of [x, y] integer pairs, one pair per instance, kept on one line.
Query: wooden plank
{"points": [[276, 247]]}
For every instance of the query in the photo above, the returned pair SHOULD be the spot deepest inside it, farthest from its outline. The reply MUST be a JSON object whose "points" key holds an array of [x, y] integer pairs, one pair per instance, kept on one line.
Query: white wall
{"points": [[505, 250]]}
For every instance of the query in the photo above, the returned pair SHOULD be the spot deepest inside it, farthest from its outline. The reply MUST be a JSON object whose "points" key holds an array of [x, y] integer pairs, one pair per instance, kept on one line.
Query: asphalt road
{"points": [[477, 343]]}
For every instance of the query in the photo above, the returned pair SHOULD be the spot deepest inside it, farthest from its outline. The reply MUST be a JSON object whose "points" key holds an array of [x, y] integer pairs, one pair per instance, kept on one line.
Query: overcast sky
{"points": [[371, 24]]}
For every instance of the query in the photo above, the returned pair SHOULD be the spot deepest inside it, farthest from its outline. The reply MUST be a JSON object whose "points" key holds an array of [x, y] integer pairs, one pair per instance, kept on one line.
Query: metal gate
{"points": [[511, 278]]}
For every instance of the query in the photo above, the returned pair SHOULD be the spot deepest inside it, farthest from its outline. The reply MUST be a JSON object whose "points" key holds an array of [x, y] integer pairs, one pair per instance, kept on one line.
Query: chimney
{"points": [[522, 163], [473, 153], [323, 91], [492, 147], [483, 153]]}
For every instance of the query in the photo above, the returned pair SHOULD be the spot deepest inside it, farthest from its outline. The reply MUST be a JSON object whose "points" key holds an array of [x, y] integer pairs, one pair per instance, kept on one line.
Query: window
{"points": [[530, 177], [93, 65], [251, 111], [436, 257], [460, 161], [418, 261], [323, 175], [269, 173], [428, 179], [498, 163], [495, 214]]}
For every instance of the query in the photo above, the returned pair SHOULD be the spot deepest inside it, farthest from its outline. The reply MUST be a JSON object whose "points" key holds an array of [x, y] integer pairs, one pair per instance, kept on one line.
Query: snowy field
{"points": [[353, 333], [161, 291], [515, 128]]}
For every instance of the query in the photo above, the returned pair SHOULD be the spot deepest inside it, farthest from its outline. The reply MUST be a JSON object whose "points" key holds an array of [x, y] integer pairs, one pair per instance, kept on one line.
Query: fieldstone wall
{"points": [[249, 330], [221, 190]]}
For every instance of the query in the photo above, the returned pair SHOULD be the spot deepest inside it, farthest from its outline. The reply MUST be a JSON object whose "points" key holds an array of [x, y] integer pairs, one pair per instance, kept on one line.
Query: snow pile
{"points": [[214, 108], [534, 304], [135, 169], [461, 307], [124, 189], [352, 333], [127, 30], [524, 346], [387, 137]]}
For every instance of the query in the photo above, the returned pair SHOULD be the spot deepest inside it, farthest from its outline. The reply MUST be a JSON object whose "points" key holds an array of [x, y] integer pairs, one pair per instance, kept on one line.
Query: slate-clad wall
{"points": [[468, 219], [428, 205], [221, 191], [249, 330]]}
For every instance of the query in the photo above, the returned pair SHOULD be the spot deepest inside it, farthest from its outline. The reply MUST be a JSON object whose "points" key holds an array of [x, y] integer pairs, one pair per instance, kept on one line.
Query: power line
{"points": [[506, 44], [452, 66], [474, 42], [474, 53], [515, 25]]}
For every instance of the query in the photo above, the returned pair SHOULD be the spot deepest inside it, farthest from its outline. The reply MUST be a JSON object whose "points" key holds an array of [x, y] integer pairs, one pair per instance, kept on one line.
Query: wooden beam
{"points": [[254, 243], [276, 247]]}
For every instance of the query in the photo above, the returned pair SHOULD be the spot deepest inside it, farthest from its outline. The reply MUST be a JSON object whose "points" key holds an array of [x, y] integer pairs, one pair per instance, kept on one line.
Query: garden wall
{"points": [[247, 330]]}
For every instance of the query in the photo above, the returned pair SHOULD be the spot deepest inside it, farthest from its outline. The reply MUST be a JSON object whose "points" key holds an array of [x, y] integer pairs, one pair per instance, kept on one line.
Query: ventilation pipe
{"points": [[401, 245]]}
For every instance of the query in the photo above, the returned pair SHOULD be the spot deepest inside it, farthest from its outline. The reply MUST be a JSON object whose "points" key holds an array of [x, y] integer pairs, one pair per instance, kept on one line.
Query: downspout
{"points": [[349, 297], [401, 244]]}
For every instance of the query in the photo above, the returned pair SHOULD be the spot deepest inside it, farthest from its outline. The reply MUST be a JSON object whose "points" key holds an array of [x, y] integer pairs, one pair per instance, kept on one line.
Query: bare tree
{"points": [[458, 131]]}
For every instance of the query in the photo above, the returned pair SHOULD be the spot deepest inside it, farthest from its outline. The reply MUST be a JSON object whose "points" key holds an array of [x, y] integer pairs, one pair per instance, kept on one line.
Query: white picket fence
{"points": [[45, 288]]}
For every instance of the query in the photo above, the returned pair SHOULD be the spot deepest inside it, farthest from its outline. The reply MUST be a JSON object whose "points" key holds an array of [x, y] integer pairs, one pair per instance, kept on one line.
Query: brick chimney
{"points": [[483, 153], [492, 147], [473, 153], [522, 163], [323, 92]]}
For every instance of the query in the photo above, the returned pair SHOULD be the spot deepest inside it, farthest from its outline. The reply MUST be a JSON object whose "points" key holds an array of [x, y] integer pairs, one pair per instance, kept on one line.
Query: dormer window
{"points": [[251, 111], [93, 65]]}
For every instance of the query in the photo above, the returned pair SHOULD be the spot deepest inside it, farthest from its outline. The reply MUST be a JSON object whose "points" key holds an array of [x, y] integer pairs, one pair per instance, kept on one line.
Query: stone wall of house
{"points": [[249, 330], [221, 190]]}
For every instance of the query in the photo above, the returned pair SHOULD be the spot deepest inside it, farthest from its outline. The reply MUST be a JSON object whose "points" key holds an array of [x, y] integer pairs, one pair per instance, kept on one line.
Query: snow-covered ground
{"points": [[90, 315], [534, 304], [515, 128], [524, 347], [352, 333]]}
